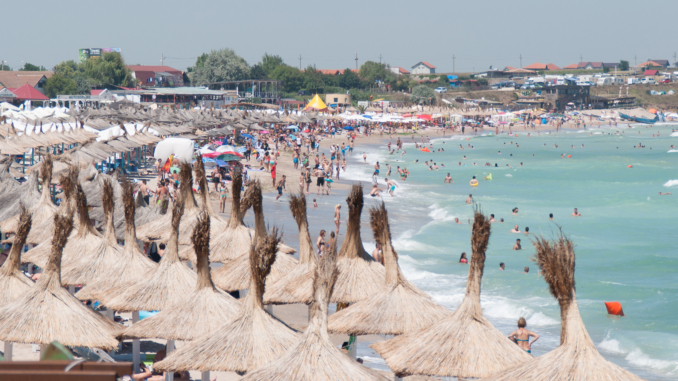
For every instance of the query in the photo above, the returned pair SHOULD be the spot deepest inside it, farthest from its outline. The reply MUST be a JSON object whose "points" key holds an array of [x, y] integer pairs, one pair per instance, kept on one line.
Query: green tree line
{"points": [[79, 78]]}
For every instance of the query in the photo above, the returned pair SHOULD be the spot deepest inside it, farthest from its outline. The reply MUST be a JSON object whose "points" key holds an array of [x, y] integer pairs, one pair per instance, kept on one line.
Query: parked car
{"points": [[528, 86], [665, 80], [647, 81], [441, 89]]}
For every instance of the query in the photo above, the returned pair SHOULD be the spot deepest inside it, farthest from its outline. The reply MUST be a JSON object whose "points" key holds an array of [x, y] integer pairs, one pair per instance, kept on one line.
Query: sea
{"points": [[625, 239]]}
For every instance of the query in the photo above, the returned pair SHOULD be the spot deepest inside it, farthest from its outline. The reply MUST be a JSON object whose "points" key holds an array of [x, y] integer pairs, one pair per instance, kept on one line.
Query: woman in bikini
{"points": [[223, 195], [320, 243], [521, 336], [337, 216]]}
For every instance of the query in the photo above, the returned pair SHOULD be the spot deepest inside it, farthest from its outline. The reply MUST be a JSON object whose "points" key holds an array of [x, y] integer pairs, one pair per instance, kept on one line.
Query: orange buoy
{"points": [[569, 156], [630, 166], [614, 308], [466, 138]]}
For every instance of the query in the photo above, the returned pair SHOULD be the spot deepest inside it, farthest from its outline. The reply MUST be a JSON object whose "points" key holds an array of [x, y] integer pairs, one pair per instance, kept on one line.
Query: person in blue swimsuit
{"points": [[521, 336]]}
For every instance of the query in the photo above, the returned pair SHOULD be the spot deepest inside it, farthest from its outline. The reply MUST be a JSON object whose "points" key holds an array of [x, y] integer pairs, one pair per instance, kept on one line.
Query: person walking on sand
{"points": [[337, 216], [307, 180], [521, 336], [320, 242], [223, 195], [273, 172], [280, 187]]}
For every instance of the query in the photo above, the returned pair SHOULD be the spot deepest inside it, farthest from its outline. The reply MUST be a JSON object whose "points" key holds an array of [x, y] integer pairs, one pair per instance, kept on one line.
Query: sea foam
{"points": [[671, 183]]}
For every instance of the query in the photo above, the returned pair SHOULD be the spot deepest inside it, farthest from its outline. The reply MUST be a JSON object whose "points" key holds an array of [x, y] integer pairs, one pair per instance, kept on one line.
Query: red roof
{"points": [[573, 66], [96, 92], [28, 92], [541, 66], [154, 69], [428, 65], [647, 72], [508, 68], [401, 70]]}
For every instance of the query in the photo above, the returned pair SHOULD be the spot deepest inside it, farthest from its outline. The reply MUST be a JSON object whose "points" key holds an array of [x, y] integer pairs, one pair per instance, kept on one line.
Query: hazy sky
{"points": [[328, 33]]}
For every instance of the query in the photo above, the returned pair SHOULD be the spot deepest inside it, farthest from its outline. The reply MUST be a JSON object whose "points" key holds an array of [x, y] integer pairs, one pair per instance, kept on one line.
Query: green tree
{"points": [[313, 79], [291, 77], [422, 94], [67, 69], [107, 70], [257, 72], [199, 62], [59, 84], [349, 80], [83, 85], [606, 69], [270, 62], [221, 65], [31, 67], [623, 65], [371, 71]]}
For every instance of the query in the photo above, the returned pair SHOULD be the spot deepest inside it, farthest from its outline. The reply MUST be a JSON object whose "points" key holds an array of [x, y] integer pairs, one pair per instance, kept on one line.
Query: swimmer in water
{"points": [[665, 194], [576, 213], [515, 229], [448, 179], [469, 200], [457, 221], [492, 218], [473, 182], [517, 246]]}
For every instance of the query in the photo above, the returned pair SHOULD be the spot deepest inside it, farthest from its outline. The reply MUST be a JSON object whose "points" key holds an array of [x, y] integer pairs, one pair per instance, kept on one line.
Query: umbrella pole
{"points": [[8, 351], [170, 349], [136, 345], [71, 289], [205, 376]]}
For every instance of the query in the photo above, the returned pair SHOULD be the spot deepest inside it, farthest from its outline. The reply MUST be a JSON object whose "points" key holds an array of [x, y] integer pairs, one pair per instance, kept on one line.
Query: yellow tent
{"points": [[316, 104]]}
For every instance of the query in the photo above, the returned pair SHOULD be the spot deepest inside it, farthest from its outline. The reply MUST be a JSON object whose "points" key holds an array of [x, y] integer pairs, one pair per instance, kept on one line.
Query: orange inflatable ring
{"points": [[630, 166]]}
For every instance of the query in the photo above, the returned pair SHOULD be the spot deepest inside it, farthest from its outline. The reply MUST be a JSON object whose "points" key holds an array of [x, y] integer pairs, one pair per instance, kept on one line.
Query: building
{"points": [[562, 96], [27, 93], [423, 67], [338, 100], [541, 66], [655, 63], [188, 96], [157, 76], [399, 70], [593, 66], [333, 71], [265, 89], [16, 79]]}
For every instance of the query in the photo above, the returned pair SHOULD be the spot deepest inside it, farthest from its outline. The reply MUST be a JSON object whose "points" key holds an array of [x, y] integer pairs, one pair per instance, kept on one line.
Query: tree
{"points": [[199, 62], [443, 80], [270, 62], [349, 80], [623, 65], [67, 69], [422, 94], [108, 70], [291, 77], [606, 69], [31, 67], [221, 65], [59, 84], [371, 71], [257, 72], [313, 79], [83, 85]]}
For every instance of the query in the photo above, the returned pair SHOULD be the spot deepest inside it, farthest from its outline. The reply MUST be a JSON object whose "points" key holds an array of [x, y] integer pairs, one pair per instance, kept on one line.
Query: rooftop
{"points": [[19, 78], [154, 69]]}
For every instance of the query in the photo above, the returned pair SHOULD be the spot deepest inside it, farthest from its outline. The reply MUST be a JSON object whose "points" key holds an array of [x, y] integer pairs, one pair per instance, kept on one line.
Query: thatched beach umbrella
{"points": [[463, 344], [171, 282], [359, 274], [93, 265], [203, 312], [13, 282], [399, 308], [297, 285], [235, 275], [49, 313], [253, 339], [315, 357], [42, 211], [161, 229], [132, 266], [577, 357], [81, 242]]}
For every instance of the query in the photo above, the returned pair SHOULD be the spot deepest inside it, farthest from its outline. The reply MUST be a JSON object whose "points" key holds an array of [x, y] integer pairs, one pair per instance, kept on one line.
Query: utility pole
{"points": [[299, 61], [521, 61], [453, 63], [674, 59], [379, 57], [581, 58], [162, 59], [356, 60], [635, 60]]}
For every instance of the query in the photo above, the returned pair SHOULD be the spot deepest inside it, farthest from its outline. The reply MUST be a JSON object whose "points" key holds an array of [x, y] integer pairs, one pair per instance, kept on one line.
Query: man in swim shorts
{"points": [[390, 186], [375, 191], [280, 187], [448, 179]]}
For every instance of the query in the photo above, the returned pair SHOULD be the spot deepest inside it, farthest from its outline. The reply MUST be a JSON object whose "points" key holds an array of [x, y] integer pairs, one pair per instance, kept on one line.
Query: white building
{"points": [[399, 70], [423, 67]]}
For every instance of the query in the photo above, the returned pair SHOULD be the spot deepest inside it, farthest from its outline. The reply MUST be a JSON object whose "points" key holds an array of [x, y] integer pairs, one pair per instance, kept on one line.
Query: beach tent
{"points": [[181, 148], [316, 104]]}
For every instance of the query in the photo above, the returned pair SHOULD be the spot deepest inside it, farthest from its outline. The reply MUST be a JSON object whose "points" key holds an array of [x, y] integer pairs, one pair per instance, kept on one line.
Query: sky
{"points": [[479, 33]]}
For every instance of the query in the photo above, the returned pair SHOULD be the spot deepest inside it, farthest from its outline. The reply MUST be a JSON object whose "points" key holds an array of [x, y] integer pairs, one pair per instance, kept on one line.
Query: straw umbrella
{"points": [[251, 340], [93, 265], [360, 276], [235, 275], [169, 283], [42, 211], [463, 344], [13, 282], [49, 313], [284, 290], [161, 229], [81, 242], [577, 357], [133, 264], [202, 313], [315, 357], [399, 308]]}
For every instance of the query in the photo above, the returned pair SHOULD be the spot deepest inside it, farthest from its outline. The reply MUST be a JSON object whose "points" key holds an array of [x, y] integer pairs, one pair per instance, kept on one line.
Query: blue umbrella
{"points": [[221, 163], [247, 136], [292, 127], [349, 128]]}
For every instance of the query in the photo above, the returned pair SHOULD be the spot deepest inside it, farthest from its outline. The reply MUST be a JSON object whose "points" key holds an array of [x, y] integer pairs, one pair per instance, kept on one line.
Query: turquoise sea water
{"points": [[626, 239]]}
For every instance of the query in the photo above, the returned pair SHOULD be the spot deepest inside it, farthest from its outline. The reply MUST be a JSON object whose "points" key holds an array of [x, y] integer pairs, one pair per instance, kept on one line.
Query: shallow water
{"points": [[625, 239]]}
